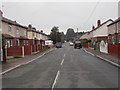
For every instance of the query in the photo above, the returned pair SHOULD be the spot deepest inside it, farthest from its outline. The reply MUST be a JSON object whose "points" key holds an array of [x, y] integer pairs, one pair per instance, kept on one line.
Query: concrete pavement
{"points": [[112, 59], [63, 68]]}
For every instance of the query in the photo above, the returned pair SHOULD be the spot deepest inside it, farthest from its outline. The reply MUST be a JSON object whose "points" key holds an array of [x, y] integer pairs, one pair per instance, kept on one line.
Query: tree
{"points": [[55, 35], [70, 34], [62, 36]]}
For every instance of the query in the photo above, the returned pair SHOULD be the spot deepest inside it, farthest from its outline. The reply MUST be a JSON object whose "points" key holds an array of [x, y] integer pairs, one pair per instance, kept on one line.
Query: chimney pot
{"points": [[98, 23], [93, 27], [30, 26], [41, 31]]}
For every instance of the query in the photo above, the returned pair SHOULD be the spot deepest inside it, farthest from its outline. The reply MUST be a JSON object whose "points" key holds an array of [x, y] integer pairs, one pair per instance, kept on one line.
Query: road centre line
{"points": [[64, 55], [62, 62], [56, 78]]}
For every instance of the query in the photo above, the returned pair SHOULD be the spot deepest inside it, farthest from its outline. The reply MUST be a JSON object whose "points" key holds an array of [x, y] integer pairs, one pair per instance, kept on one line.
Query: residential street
{"points": [[63, 68]]}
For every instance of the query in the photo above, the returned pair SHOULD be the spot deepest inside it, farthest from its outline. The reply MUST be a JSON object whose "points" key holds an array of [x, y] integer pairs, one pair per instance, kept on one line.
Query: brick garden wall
{"points": [[85, 45], [27, 50], [14, 51], [114, 49]]}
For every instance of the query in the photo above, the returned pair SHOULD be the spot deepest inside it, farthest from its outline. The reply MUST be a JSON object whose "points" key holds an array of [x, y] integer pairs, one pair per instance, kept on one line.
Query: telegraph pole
{"points": [[77, 32]]}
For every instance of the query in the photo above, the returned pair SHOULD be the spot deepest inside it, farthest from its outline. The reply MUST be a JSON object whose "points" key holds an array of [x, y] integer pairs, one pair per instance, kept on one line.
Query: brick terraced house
{"points": [[19, 40], [114, 37]]}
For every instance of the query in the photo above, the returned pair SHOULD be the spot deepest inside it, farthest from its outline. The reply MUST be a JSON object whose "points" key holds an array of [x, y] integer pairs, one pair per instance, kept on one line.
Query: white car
{"points": [[71, 43]]}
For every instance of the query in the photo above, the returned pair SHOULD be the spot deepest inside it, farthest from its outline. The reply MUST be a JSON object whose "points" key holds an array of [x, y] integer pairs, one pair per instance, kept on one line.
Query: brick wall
{"points": [[114, 49], [85, 45], [27, 50], [14, 51]]}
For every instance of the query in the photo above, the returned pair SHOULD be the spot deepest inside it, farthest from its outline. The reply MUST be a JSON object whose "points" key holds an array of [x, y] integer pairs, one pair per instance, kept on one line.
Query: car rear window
{"points": [[77, 42]]}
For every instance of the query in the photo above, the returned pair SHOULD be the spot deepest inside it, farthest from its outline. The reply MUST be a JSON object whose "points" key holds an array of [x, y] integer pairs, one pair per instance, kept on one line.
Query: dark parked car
{"points": [[58, 45], [77, 44]]}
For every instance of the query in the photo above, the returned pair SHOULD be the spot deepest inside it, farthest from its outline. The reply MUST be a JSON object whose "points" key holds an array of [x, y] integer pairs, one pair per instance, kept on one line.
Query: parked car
{"points": [[77, 44], [59, 45], [71, 43]]}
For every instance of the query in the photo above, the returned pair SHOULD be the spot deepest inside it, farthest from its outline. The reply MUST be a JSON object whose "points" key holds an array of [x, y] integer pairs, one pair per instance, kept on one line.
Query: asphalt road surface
{"points": [[63, 68]]}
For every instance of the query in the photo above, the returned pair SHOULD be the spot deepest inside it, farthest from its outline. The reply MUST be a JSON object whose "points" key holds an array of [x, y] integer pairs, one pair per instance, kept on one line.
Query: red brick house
{"points": [[114, 37], [15, 38]]}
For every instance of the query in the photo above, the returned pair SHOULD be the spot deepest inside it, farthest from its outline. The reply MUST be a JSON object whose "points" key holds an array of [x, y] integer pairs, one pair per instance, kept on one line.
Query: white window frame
{"points": [[25, 33], [9, 43], [10, 28], [17, 30]]}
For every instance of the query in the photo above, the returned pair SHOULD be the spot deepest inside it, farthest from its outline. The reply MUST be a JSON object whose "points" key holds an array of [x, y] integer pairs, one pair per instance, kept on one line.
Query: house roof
{"points": [[102, 24], [7, 36], [117, 20], [12, 22]]}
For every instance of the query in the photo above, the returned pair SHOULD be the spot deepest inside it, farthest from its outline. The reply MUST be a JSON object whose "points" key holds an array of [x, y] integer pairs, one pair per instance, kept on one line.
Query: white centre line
{"points": [[62, 62], [56, 78], [64, 55]]}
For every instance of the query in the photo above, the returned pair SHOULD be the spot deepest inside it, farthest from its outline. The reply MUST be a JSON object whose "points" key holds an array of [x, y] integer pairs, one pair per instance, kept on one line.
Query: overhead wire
{"points": [[90, 14]]}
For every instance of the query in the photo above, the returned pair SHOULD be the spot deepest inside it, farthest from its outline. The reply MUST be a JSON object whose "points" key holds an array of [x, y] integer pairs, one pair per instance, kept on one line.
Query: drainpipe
{"points": [[116, 34]]}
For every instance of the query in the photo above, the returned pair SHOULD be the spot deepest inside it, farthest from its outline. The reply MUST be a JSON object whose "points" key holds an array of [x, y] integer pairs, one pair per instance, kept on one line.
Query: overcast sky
{"points": [[45, 15]]}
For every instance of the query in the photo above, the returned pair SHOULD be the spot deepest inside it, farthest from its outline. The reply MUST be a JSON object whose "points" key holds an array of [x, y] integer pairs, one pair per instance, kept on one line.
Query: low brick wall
{"points": [[33, 48], [14, 51], [85, 45], [27, 50], [114, 49]]}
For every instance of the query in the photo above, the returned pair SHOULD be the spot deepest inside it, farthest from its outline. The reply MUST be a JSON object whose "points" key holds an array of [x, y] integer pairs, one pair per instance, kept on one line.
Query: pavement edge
{"points": [[107, 60]]}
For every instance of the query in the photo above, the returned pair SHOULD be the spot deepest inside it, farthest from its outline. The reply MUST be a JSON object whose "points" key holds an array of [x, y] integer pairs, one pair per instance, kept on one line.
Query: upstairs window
{"points": [[33, 35], [118, 38], [25, 33], [10, 28], [17, 30]]}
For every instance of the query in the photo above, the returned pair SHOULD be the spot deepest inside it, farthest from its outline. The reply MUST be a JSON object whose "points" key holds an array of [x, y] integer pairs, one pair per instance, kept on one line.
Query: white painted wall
{"points": [[102, 30]]}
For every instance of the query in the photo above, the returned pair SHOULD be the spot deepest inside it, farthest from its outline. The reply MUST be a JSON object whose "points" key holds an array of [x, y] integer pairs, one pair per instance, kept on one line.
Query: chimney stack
{"points": [[30, 26], [1, 13], [15, 21], [98, 23], [93, 27], [41, 31]]}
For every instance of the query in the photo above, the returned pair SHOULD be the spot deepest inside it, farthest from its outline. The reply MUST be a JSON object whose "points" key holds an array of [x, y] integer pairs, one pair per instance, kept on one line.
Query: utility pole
{"points": [[77, 32]]}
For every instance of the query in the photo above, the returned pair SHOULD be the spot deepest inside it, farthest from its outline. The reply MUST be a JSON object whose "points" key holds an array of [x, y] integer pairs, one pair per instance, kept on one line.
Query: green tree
{"points": [[70, 34], [55, 35], [62, 36]]}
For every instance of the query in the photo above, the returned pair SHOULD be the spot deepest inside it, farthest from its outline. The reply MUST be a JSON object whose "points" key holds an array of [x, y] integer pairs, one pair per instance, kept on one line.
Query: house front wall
{"points": [[5, 29], [30, 35], [20, 32], [102, 30], [118, 27], [42, 37], [112, 29]]}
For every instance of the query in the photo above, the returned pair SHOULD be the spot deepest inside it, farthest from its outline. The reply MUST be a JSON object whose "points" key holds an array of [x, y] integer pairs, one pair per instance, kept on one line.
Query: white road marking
{"points": [[64, 55], [62, 62], [108, 61], [89, 52], [25, 62], [103, 58], [56, 78], [10, 69]]}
